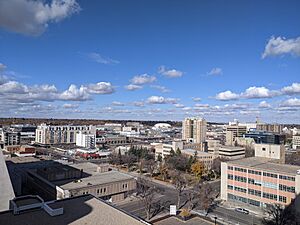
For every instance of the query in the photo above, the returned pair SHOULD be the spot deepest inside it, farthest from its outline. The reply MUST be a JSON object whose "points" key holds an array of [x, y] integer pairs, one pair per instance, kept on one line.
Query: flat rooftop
{"points": [[100, 178], [231, 147], [77, 211], [266, 164], [190, 151]]}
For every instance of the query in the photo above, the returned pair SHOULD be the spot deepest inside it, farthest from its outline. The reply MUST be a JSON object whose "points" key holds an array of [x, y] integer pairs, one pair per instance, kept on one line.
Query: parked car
{"points": [[241, 210]]}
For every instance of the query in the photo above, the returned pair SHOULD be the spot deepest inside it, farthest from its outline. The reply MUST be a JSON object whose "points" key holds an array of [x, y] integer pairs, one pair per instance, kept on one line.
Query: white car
{"points": [[241, 210]]}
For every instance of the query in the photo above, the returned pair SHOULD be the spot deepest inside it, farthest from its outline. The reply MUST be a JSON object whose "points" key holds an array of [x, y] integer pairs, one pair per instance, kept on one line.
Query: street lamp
{"points": [[215, 220]]}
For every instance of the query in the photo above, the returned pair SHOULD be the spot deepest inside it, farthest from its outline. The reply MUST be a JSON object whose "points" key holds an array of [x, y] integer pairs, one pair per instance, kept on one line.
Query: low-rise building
{"points": [[164, 149], [204, 157], [21, 150], [85, 209], [231, 152], [258, 181], [64, 181]]}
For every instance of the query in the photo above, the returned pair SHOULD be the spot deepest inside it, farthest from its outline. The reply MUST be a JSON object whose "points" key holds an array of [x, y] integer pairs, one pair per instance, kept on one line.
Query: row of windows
{"points": [[270, 196], [283, 177], [240, 179], [283, 187], [243, 190], [265, 174], [242, 199], [101, 190], [255, 182], [282, 199], [254, 172], [254, 192], [269, 185], [240, 169]]}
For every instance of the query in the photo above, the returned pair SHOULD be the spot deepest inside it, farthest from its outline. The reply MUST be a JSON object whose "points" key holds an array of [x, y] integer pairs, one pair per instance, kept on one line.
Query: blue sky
{"points": [[216, 59]]}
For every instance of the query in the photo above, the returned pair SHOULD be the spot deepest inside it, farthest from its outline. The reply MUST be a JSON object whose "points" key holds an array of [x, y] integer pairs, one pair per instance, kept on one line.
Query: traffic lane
{"points": [[237, 216]]}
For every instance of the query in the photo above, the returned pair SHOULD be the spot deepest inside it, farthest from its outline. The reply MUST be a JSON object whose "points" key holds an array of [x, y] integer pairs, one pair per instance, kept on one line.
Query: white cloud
{"points": [[133, 87], [102, 59], [249, 93], [196, 99], [282, 46], [13, 87], [169, 72], [70, 106], [259, 92], [215, 71], [226, 96], [293, 89], [116, 103], [33, 17], [292, 102], [161, 88], [100, 88], [139, 104], [161, 100], [75, 94], [264, 104], [143, 79], [201, 105], [178, 105]]}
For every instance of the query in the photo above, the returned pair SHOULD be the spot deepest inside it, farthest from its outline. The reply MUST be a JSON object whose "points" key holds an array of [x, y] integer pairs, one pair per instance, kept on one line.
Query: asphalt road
{"points": [[236, 217]]}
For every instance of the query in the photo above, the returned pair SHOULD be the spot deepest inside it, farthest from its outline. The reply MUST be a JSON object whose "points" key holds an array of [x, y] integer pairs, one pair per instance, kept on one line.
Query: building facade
{"points": [[51, 135], [258, 182], [233, 131], [231, 152], [296, 142], [85, 140], [194, 130]]}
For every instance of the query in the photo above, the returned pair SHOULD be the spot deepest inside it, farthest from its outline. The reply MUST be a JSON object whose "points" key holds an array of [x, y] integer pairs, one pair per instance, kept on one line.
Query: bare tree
{"points": [[151, 166], [206, 196], [278, 215], [180, 183], [146, 192]]}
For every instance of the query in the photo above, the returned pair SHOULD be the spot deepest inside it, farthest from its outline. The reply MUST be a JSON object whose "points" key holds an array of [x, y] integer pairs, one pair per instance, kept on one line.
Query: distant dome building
{"points": [[161, 126]]}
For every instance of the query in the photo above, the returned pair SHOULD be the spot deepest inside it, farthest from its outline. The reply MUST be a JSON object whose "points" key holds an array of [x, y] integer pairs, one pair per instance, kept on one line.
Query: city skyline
{"points": [[150, 60]]}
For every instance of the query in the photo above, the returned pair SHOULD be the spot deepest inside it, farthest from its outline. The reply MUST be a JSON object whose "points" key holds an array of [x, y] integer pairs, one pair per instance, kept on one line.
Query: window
{"points": [[265, 174], [283, 187], [230, 187], [255, 182], [269, 185], [264, 149], [230, 177], [254, 172], [98, 191], [254, 192], [269, 196], [240, 179], [240, 169], [282, 199], [243, 190], [283, 177]]}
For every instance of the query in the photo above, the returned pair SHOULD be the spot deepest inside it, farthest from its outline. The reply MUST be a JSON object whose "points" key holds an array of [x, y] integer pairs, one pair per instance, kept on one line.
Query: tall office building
{"points": [[233, 131], [194, 130]]}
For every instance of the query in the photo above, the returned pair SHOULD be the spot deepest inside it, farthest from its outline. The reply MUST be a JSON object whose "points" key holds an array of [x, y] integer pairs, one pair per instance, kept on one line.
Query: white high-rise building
{"points": [[194, 130]]}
